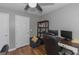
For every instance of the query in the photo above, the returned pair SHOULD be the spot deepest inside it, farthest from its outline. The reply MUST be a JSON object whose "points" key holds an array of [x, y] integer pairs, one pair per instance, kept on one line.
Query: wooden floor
{"points": [[27, 50]]}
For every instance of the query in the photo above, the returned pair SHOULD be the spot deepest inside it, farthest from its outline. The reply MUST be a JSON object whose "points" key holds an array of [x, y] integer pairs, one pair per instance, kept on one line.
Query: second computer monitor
{"points": [[66, 34]]}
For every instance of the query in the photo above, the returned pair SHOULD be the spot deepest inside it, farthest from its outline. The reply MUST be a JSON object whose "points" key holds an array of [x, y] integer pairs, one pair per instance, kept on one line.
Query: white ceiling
{"points": [[46, 8]]}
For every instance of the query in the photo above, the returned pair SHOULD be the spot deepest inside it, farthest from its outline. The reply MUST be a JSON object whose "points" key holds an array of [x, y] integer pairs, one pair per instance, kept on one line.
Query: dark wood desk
{"points": [[70, 43], [74, 47]]}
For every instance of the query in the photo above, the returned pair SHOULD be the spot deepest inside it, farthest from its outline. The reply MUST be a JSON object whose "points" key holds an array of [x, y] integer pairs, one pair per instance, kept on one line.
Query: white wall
{"points": [[33, 25], [66, 18]]}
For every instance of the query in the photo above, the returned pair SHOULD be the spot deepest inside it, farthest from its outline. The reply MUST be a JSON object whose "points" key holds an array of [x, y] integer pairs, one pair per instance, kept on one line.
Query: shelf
{"points": [[42, 27], [40, 32]]}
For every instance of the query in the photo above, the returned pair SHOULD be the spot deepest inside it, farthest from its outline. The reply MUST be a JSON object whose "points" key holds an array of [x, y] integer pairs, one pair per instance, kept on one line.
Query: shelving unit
{"points": [[42, 26]]}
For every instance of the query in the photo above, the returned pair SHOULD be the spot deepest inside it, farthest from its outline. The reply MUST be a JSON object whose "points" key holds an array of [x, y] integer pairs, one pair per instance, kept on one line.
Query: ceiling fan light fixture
{"points": [[32, 5]]}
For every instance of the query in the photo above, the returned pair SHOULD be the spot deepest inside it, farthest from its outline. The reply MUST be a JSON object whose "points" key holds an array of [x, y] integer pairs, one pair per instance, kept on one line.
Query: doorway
{"points": [[22, 33]]}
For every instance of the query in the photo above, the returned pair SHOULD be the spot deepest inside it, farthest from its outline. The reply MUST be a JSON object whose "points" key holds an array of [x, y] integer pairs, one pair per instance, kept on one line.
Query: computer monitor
{"points": [[66, 34], [54, 32]]}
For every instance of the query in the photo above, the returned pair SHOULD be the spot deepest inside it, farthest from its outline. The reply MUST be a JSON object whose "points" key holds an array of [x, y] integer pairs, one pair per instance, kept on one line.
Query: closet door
{"points": [[4, 29], [21, 31]]}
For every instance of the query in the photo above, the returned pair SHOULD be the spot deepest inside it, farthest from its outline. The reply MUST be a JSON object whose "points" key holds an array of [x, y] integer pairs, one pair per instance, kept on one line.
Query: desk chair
{"points": [[4, 50], [51, 45]]}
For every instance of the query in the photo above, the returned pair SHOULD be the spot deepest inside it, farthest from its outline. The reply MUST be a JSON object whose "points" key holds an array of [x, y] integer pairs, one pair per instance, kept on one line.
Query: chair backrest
{"points": [[51, 45], [5, 49]]}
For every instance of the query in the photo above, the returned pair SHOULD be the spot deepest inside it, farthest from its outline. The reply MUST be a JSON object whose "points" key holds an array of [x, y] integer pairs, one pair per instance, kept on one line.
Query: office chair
{"points": [[52, 48], [4, 50], [51, 45]]}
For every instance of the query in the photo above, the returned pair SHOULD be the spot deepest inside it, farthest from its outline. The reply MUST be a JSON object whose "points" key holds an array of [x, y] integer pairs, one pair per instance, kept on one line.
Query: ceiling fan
{"points": [[33, 5], [37, 6]]}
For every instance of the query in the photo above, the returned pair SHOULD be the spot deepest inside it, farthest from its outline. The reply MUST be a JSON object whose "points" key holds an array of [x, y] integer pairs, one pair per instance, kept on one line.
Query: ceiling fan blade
{"points": [[46, 4], [27, 7], [39, 8]]}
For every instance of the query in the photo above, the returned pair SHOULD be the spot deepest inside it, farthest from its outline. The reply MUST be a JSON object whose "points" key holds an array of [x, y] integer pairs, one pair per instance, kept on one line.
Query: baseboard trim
{"points": [[12, 49], [23, 46], [17, 48]]}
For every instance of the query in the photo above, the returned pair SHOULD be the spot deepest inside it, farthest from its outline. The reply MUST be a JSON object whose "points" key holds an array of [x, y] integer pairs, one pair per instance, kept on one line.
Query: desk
{"points": [[69, 45]]}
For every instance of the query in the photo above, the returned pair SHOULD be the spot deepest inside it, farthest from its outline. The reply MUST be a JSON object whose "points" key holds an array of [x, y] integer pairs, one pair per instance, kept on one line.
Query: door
{"points": [[4, 29], [21, 31]]}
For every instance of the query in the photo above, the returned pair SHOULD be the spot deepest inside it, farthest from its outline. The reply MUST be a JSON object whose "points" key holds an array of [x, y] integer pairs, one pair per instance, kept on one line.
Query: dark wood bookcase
{"points": [[42, 26]]}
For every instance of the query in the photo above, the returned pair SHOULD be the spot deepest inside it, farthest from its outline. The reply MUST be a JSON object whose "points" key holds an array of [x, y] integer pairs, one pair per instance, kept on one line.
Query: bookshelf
{"points": [[42, 26]]}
